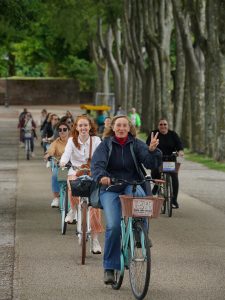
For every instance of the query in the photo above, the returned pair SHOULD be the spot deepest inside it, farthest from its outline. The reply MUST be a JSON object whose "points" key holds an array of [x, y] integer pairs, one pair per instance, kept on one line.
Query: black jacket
{"points": [[168, 143]]}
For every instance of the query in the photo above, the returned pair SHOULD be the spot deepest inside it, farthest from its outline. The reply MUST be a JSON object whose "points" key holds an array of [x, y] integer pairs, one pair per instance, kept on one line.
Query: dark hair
{"points": [[62, 123]]}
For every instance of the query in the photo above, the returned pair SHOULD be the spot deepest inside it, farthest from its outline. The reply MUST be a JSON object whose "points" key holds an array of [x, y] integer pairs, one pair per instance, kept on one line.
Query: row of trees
{"points": [[165, 57]]}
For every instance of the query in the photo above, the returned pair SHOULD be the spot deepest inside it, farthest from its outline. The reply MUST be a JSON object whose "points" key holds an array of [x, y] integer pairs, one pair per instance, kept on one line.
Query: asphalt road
{"points": [[37, 262]]}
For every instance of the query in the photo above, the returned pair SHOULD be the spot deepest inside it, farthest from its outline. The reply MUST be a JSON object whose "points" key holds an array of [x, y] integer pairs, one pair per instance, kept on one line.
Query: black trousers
{"points": [[175, 183]]}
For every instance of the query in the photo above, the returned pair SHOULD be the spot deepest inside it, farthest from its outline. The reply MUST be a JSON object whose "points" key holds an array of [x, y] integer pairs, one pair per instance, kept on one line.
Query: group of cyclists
{"points": [[117, 154]]}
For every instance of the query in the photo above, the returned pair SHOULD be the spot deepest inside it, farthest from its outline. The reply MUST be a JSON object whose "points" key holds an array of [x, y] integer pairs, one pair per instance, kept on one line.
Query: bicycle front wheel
{"points": [[84, 207], [169, 195], [64, 209], [140, 261], [27, 148]]}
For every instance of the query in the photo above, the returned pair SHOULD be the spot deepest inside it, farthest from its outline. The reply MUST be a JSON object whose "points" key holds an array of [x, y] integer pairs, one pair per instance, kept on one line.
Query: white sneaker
{"points": [[55, 202], [96, 248], [70, 216], [32, 154]]}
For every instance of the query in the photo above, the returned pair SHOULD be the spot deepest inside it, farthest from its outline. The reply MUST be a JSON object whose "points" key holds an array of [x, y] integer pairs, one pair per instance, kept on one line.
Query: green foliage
{"points": [[82, 70], [51, 38], [142, 136]]}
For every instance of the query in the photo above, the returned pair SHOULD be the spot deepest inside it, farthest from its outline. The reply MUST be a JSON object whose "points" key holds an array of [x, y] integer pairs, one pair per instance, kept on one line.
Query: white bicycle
{"points": [[28, 137], [81, 187]]}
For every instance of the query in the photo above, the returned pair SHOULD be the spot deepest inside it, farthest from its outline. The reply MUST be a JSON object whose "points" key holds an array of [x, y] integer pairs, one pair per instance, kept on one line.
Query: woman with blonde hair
{"points": [[120, 155], [77, 151]]}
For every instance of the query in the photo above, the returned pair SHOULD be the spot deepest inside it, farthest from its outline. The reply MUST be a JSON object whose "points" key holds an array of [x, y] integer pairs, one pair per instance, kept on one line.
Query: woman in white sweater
{"points": [[77, 152]]}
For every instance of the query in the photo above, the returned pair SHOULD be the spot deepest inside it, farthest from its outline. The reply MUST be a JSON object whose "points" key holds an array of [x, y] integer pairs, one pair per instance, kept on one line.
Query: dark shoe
{"points": [[109, 277]]}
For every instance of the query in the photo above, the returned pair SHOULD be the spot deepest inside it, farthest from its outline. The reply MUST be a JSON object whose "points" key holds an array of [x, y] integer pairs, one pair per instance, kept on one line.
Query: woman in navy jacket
{"points": [[120, 155]]}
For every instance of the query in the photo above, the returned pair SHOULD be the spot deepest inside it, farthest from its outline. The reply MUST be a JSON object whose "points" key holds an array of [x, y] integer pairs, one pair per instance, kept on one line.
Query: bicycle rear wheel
{"points": [[169, 194], [84, 207], [140, 263], [64, 209], [119, 274]]}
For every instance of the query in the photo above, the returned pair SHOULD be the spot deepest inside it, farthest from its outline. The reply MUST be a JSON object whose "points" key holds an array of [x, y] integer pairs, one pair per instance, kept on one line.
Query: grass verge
{"points": [[205, 160]]}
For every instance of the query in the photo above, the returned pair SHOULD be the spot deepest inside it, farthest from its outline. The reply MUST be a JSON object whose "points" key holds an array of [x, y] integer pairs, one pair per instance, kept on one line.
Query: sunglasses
{"points": [[62, 129], [163, 124]]}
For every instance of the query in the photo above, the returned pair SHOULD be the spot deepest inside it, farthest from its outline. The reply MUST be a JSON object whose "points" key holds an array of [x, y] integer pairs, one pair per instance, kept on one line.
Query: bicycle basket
{"points": [[62, 174], [81, 186], [149, 206], [169, 164]]}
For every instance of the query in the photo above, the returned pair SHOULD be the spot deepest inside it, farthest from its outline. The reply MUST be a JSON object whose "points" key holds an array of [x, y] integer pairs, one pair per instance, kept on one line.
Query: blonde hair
{"points": [[75, 133], [109, 131]]}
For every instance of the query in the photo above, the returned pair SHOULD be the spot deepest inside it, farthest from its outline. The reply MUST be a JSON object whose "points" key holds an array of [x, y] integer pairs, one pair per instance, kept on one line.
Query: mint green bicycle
{"points": [[135, 243]]}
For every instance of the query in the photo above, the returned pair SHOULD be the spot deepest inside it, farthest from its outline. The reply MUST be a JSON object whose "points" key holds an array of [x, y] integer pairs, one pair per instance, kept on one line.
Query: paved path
{"points": [[188, 256]]}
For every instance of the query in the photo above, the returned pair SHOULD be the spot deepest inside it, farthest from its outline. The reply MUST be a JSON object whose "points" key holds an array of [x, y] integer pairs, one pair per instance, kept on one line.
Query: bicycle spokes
{"points": [[140, 262]]}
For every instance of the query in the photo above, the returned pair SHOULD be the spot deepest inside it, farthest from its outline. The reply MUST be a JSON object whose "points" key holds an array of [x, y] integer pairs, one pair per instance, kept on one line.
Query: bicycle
{"points": [[81, 188], [135, 243], [170, 165], [64, 205], [28, 136]]}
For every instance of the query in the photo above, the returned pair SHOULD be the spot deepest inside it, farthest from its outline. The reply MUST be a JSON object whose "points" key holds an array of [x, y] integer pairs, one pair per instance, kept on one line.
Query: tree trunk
{"points": [[220, 110], [179, 83]]}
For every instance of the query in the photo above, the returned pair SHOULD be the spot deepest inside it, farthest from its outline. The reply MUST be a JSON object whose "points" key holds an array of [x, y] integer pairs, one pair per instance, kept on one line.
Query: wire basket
{"points": [[149, 206], [62, 174]]}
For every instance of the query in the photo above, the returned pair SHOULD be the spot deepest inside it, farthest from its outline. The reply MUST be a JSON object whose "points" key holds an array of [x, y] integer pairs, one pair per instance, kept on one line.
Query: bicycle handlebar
{"points": [[116, 181], [68, 165]]}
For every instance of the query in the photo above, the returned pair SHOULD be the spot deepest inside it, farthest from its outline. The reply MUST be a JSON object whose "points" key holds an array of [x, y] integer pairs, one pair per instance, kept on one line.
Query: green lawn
{"points": [[205, 160]]}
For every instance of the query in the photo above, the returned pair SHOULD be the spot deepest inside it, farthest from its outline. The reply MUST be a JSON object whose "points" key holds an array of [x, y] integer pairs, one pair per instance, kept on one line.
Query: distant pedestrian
{"points": [[43, 116], [100, 121], [120, 111], [135, 118], [107, 124], [22, 114], [69, 115]]}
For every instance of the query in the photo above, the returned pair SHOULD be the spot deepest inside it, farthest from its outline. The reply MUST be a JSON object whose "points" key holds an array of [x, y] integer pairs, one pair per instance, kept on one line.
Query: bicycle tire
{"points": [[169, 195], [162, 194], [140, 264], [84, 231], [119, 274], [64, 210], [27, 147]]}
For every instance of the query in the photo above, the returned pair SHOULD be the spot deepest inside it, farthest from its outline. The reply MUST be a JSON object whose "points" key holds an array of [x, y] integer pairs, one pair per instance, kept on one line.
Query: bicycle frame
{"points": [[128, 236]]}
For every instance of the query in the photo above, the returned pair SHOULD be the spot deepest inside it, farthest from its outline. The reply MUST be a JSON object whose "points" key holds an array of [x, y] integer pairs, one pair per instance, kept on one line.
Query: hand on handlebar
{"points": [[105, 181], [181, 153]]}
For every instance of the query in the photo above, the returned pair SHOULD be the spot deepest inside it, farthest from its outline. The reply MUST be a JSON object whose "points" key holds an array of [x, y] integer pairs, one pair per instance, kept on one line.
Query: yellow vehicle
{"points": [[98, 113], [89, 107]]}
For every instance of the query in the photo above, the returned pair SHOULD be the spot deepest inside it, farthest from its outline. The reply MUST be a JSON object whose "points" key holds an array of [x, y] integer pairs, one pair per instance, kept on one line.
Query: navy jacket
{"points": [[123, 162]]}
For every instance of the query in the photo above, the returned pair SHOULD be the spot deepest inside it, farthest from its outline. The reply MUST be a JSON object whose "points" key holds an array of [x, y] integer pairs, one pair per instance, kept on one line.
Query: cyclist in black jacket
{"points": [[169, 142]]}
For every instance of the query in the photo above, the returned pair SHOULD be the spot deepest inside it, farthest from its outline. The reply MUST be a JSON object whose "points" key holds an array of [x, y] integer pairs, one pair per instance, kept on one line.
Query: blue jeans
{"points": [[112, 209], [55, 183]]}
